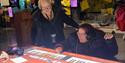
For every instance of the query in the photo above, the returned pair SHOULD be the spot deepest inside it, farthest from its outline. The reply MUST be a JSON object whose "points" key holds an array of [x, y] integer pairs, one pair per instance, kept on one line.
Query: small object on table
{"points": [[15, 51], [4, 57]]}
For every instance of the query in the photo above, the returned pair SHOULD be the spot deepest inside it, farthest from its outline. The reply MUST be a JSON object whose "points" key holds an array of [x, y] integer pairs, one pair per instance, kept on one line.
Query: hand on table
{"points": [[108, 36], [59, 50]]}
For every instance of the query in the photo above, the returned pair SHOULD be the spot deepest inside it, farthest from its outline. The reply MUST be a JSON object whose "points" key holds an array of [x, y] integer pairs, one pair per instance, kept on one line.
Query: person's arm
{"points": [[112, 45], [111, 42], [66, 46], [68, 20], [69, 44]]}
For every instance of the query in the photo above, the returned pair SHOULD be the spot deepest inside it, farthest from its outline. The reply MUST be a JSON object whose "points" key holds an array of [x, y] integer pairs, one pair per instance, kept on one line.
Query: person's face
{"points": [[46, 7], [82, 35]]}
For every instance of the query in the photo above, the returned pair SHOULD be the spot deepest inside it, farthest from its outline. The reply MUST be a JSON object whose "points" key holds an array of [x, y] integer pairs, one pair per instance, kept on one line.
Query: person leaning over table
{"points": [[92, 42], [48, 24]]}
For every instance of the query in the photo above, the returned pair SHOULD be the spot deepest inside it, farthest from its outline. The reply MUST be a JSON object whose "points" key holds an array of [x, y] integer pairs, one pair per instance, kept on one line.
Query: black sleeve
{"points": [[68, 20], [112, 45], [34, 29], [68, 44]]}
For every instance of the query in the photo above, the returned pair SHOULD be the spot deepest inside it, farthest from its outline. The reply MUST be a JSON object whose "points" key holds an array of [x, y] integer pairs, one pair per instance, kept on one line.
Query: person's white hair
{"points": [[44, 2]]}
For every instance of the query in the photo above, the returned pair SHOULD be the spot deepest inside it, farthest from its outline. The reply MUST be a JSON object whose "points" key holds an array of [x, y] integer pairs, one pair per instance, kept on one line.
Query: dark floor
{"points": [[121, 45]]}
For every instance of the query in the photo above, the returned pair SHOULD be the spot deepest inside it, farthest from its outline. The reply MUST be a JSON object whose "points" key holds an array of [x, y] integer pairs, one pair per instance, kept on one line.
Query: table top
{"points": [[45, 55]]}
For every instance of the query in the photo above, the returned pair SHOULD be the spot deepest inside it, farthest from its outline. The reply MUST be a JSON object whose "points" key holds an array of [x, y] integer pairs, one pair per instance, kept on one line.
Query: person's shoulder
{"points": [[99, 36], [36, 13], [60, 10], [100, 32]]}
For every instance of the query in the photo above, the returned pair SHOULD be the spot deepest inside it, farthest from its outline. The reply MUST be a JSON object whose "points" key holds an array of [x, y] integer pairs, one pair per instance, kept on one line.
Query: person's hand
{"points": [[59, 50], [108, 36]]}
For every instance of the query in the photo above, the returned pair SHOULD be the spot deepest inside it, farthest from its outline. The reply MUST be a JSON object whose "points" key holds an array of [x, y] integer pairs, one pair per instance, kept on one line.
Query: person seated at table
{"points": [[3, 56], [92, 42]]}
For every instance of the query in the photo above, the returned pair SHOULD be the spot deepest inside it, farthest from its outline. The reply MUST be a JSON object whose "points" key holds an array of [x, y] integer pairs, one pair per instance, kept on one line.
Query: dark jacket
{"points": [[96, 46], [57, 3], [43, 29]]}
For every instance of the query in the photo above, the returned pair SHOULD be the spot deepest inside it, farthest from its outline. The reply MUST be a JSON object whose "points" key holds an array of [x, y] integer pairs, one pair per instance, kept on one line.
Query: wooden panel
{"points": [[23, 23]]}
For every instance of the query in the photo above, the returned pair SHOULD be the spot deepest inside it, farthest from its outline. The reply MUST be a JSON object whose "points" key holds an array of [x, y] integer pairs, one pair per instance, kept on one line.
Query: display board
{"points": [[39, 54]]}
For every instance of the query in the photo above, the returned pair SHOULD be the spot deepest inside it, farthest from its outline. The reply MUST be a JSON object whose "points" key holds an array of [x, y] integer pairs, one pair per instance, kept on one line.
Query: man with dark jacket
{"points": [[48, 25], [90, 41]]}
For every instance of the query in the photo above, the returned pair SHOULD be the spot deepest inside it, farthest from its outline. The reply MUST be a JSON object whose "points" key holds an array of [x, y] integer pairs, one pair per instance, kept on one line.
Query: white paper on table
{"points": [[79, 59], [19, 60]]}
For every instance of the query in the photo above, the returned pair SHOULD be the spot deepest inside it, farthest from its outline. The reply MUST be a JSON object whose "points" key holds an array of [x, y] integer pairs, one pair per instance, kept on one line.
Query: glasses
{"points": [[81, 34]]}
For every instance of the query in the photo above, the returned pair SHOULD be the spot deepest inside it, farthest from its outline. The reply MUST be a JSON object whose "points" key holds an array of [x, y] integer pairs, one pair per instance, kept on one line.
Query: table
{"points": [[109, 29], [45, 55]]}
